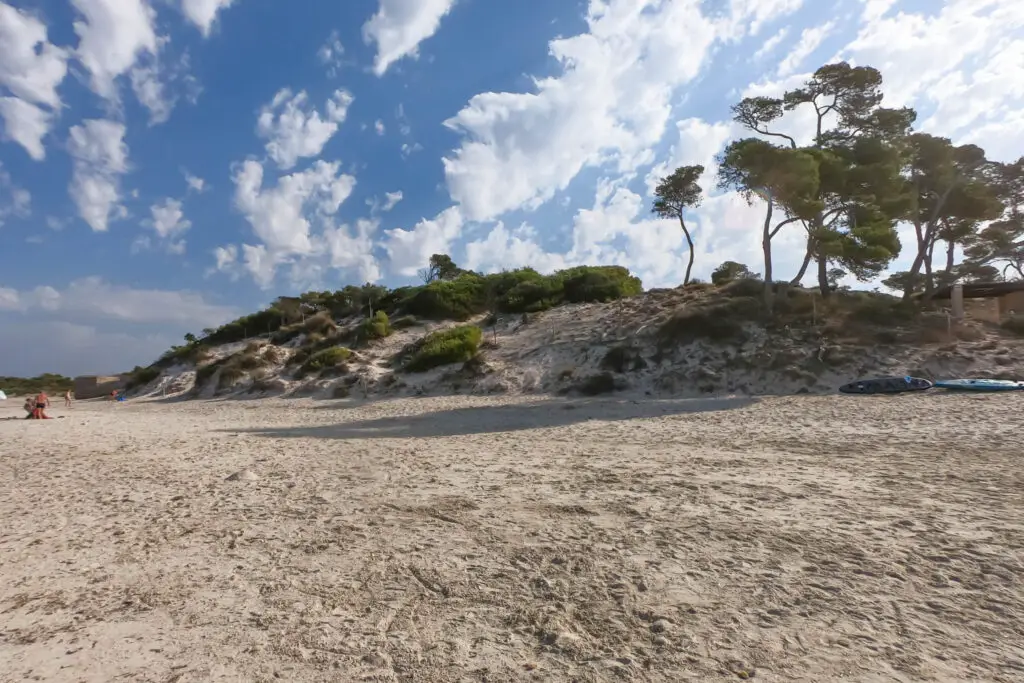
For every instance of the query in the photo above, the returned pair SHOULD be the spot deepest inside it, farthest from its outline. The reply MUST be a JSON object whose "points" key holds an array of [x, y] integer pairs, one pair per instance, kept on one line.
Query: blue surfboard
{"points": [[886, 385], [979, 385]]}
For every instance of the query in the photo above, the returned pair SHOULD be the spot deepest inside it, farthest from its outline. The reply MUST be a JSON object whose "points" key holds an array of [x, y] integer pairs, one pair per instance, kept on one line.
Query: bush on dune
{"points": [[331, 358], [454, 345]]}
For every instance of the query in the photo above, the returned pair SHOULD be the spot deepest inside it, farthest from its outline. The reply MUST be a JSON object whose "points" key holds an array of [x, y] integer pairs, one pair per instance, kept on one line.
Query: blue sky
{"points": [[167, 165]]}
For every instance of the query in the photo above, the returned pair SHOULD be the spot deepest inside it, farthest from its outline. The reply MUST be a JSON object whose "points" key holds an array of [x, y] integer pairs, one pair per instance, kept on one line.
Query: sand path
{"points": [[471, 539]]}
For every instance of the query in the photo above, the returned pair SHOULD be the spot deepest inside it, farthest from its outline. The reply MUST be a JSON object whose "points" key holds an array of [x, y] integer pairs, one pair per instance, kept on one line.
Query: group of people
{"points": [[35, 407]]}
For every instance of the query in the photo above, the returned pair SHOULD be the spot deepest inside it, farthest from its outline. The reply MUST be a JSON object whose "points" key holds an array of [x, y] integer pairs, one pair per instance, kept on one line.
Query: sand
{"points": [[515, 539]]}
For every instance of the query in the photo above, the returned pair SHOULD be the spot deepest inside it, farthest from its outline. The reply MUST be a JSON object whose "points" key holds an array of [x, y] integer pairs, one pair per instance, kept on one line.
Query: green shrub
{"points": [[454, 345], [377, 327], [332, 357], [456, 299], [875, 309], [142, 376], [404, 322], [532, 296], [187, 353], [598, 283]]}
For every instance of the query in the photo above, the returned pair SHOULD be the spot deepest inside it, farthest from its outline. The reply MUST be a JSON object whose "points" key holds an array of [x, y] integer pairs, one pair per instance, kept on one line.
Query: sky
{"points": [[168, 165]]}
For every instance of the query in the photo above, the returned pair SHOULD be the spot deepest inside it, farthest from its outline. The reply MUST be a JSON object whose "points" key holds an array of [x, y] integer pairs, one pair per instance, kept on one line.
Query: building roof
{"points": [[981, 290]]}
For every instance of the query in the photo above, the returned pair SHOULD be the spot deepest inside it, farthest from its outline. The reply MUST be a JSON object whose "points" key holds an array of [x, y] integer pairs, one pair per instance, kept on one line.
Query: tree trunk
{"points": [[766, 245], [950, 252], [929, 276], [823, 286], [803, 266], [689, 242]]}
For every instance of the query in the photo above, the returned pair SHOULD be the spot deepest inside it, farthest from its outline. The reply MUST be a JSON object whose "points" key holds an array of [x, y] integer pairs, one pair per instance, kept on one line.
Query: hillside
{"points": [[697, 340]]}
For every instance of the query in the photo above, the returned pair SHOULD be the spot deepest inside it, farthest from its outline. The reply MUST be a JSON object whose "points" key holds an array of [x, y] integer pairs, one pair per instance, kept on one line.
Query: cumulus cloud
{"points": [[14, 200], [331, 54], [409, 250], [100, 157], [295, 130], [168, 223], [293, 219], [609, 106], [399, 26], [31, 68], [25, 124], [810, 40], [195, 183], [965, 62], [203, 13], [112, 35]]}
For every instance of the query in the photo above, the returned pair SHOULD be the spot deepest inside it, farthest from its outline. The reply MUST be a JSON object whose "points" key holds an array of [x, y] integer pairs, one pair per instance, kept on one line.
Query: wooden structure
{"points": [[990, 301], [94, 386]]}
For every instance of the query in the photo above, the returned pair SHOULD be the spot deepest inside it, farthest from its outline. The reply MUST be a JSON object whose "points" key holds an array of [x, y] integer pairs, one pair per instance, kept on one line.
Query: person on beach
{"points": [[30, 406], [67, 398]]}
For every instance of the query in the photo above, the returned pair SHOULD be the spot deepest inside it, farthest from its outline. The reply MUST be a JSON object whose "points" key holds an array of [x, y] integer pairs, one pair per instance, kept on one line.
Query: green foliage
{"points": [[441, 267], [49, 382], [188, 353], [330, 358], [403, 322], [731, 271], [457, 299], [377, 327], [586, 284], [454, 345], [140, 376]]}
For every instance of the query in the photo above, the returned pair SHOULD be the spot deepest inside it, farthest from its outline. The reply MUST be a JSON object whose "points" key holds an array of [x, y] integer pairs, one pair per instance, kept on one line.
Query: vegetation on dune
{"points": [[48, 382], [331, 358], [454, 345], [843, 185]]}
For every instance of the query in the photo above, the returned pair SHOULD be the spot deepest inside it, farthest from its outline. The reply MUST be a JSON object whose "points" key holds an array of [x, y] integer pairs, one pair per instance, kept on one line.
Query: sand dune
{"points": [[456, 539]]}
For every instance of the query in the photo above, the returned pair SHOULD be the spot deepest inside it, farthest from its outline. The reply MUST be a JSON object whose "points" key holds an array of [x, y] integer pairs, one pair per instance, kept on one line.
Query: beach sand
{"points": [[515, 539]]}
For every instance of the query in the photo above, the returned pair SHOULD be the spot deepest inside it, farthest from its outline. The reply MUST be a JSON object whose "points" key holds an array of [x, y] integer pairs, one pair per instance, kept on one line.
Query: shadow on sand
{"points": [[502, 418]]}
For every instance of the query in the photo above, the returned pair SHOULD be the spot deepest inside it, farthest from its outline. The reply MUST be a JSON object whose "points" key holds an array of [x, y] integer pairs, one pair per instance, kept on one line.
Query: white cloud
{"points": [[195, 183], [100, 156], [25, 124], [399, 26], [378, 126], [284, 217], [748, 17], [611, 103], [294, 130], [331, 54], [203, 13], [351, 249], [167, 220], [391, 199], [152, 93], [14, 200], [916, 51], [30, 66], [112, 36], [698, 143], [507, 249], [771, 44], [810, 40], [409, 250], [92, 299]]}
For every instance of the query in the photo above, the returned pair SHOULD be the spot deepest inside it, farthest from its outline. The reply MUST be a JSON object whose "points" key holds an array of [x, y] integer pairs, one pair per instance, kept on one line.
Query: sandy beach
{"points": [[815, 538]]}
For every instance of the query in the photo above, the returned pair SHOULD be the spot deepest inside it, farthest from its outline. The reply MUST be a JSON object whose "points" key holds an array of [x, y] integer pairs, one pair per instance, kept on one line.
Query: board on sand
{"points": [[886, 385], [980, 385]]}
